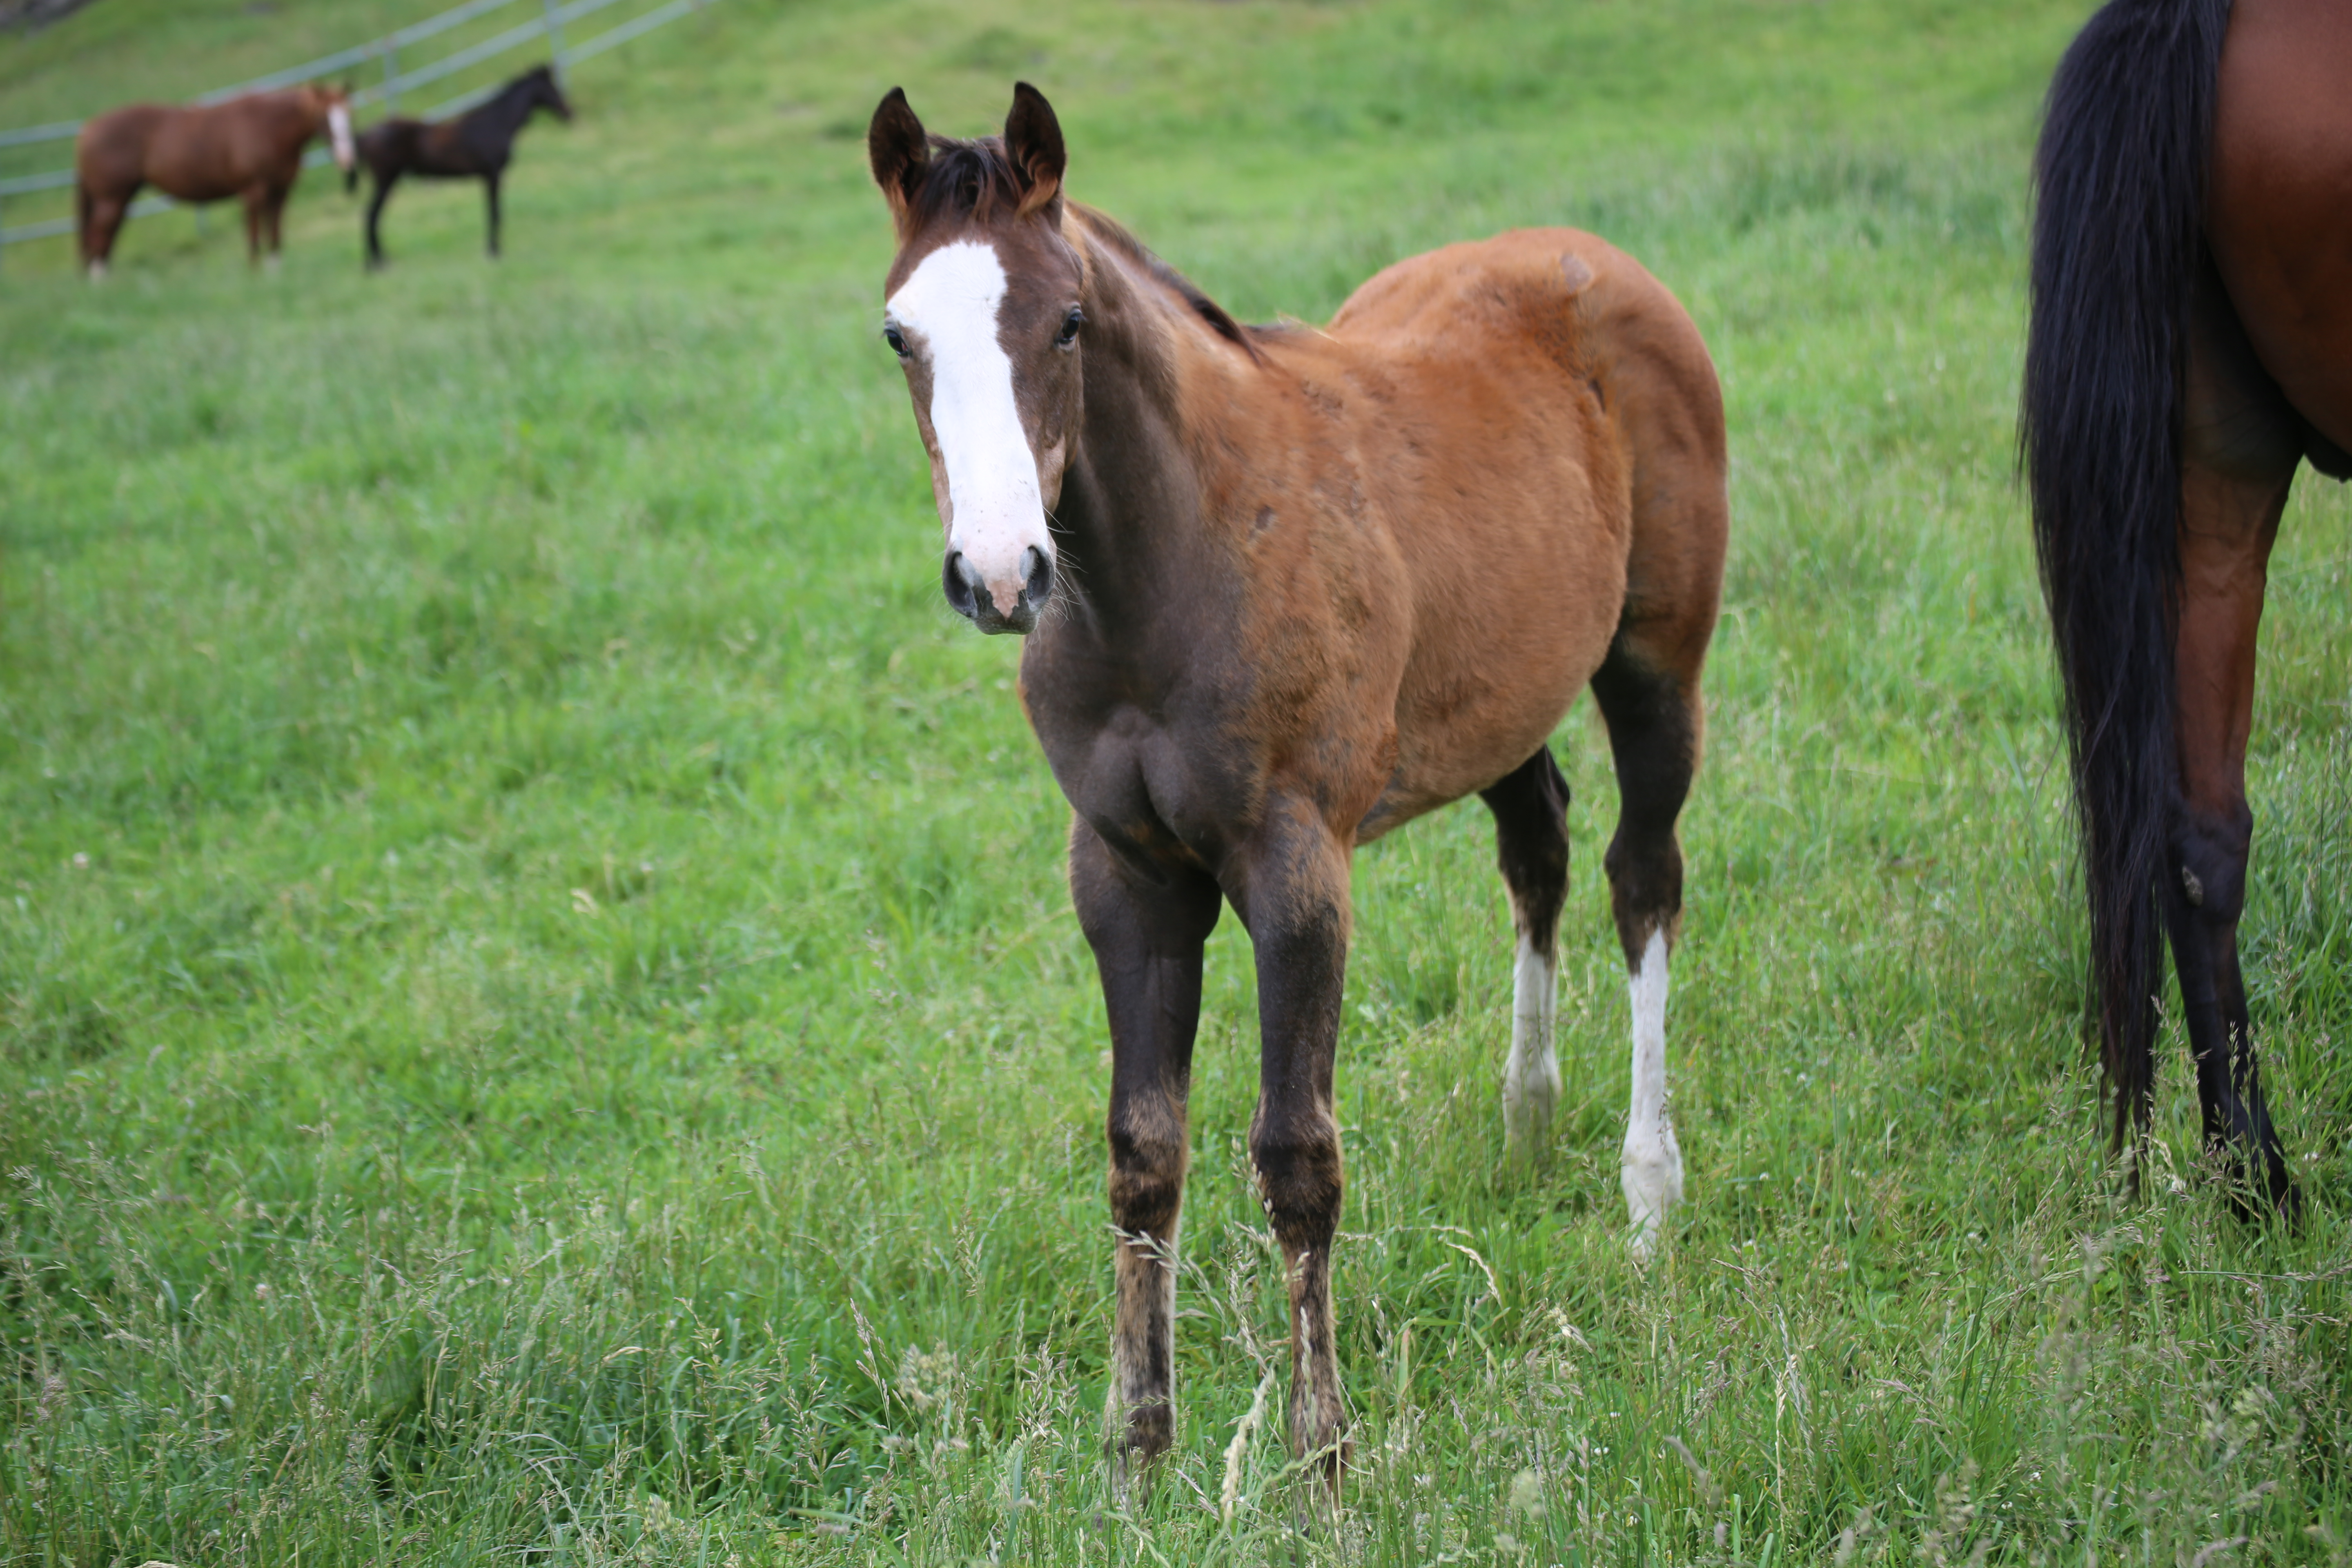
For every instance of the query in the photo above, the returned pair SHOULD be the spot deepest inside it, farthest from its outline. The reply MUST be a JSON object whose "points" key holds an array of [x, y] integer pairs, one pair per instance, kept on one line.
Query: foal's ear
{"points": [[896, 146], [1033, 141]]}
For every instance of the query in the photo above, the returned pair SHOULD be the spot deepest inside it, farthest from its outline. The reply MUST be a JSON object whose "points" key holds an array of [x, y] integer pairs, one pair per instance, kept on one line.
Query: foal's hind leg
{"points": [[1654, 731], [1147, 943], [1664, 400], [490, 186], [1530, 807], [2241, 446]]}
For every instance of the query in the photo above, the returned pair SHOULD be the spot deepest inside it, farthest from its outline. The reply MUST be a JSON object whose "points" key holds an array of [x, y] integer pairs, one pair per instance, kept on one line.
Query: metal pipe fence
{"points": [[548, 27]]}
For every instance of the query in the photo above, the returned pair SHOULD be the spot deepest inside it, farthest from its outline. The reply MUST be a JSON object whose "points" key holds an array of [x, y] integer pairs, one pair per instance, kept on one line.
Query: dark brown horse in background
{"points": [[2190, 346], [249, 147], [1287, 589], [477, 144]]}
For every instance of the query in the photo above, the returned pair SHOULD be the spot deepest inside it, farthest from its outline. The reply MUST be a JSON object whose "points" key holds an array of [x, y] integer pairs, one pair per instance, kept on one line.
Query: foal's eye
{"points": [[1070, 325], [897, 344]]}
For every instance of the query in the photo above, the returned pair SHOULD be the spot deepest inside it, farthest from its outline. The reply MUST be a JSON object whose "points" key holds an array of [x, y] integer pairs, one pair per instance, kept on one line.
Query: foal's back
{"points": [[1537, 434]]}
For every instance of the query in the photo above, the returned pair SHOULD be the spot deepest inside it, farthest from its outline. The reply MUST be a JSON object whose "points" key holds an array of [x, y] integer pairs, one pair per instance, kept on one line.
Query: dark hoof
{"points": [[1150, 1432]]}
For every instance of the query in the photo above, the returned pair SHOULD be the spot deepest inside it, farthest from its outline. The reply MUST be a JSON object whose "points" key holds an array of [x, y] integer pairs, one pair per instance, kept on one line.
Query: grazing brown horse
{"points": [[2190, 346], [249, 147], [1287, 588], [475, 145]]}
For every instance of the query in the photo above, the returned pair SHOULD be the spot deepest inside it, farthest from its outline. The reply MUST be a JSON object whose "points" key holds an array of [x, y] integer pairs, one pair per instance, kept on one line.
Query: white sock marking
{"points": [[1531, 1075], [339, 132], [949, 306], [1651, 1169]]}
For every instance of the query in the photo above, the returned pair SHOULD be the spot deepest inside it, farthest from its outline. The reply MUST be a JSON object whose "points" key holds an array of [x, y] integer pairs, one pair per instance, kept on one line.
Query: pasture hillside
{"points": [[540, 1020]]}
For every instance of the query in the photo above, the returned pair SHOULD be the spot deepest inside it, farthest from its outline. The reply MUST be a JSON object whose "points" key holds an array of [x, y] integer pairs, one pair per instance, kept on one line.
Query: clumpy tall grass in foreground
{"points": [[539, 1020]]}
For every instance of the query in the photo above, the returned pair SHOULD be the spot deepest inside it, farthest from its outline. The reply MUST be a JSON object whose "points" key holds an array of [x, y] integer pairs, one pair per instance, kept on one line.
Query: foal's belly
{"points": [[1494, 675], [1517, 607]]}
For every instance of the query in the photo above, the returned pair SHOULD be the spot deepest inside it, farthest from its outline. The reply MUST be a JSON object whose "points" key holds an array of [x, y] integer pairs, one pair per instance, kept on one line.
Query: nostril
{"points": [[1037, 576], [958, 581]]}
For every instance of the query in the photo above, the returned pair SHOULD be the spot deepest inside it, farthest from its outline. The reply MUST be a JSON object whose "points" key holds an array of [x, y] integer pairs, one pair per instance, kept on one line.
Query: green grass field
{"points": [[539, 1021]]}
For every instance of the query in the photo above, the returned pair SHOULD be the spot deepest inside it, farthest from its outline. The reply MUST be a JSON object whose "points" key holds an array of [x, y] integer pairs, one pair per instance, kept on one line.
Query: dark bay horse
{"points": [[475, 145], [249, 147], [1286, 589], [2190, 344]]}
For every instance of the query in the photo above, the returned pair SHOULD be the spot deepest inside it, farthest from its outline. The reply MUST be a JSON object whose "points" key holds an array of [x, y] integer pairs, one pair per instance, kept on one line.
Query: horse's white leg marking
{"points": [[338, 131], [98, 270], [1652, 1166], [995, 513], [1531, 1076]]}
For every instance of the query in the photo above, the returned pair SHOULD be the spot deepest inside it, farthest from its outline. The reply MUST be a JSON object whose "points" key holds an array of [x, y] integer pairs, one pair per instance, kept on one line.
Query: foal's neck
{"points": [[1135, 509]]}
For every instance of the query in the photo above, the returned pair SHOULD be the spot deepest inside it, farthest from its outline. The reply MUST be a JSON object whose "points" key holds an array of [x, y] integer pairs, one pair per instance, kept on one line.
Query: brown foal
{"points": [[2190, 347], [248, 147], [1287, 588]]}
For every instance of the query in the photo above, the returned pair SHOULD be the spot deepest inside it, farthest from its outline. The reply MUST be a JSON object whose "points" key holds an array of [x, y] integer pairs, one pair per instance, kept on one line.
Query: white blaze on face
{"points": [[948, 307], [339, 132], [1651, 1164]]}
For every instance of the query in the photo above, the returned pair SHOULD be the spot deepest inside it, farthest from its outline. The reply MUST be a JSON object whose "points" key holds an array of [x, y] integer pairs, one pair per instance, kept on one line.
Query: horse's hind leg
{"points": [[1530, 807], [1652, 707], [1662, 397], [490, 186], [1147, 943], [2240, 446]]}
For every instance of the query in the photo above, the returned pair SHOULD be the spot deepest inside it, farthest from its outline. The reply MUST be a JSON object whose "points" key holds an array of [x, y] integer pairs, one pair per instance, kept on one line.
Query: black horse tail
{"points": [[2118, 242]]}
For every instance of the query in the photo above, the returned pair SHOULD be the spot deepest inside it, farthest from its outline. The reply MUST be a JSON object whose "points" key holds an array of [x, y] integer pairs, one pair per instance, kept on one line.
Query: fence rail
{"points": [[547, 26]]}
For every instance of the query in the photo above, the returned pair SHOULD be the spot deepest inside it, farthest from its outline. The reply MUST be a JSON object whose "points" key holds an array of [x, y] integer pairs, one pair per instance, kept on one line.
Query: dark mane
{"points": [[973, 179], [1112, 232]]}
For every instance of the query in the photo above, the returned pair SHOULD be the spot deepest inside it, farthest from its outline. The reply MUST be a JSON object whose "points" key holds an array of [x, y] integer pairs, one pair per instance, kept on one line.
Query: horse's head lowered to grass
{"points": [[982, 310]]}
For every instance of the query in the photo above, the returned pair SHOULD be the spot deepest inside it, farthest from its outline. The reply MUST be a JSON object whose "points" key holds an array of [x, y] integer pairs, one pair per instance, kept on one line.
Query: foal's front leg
{"points": [[1147, 943], [383, 193], [490, 192], [1295, 902]]}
